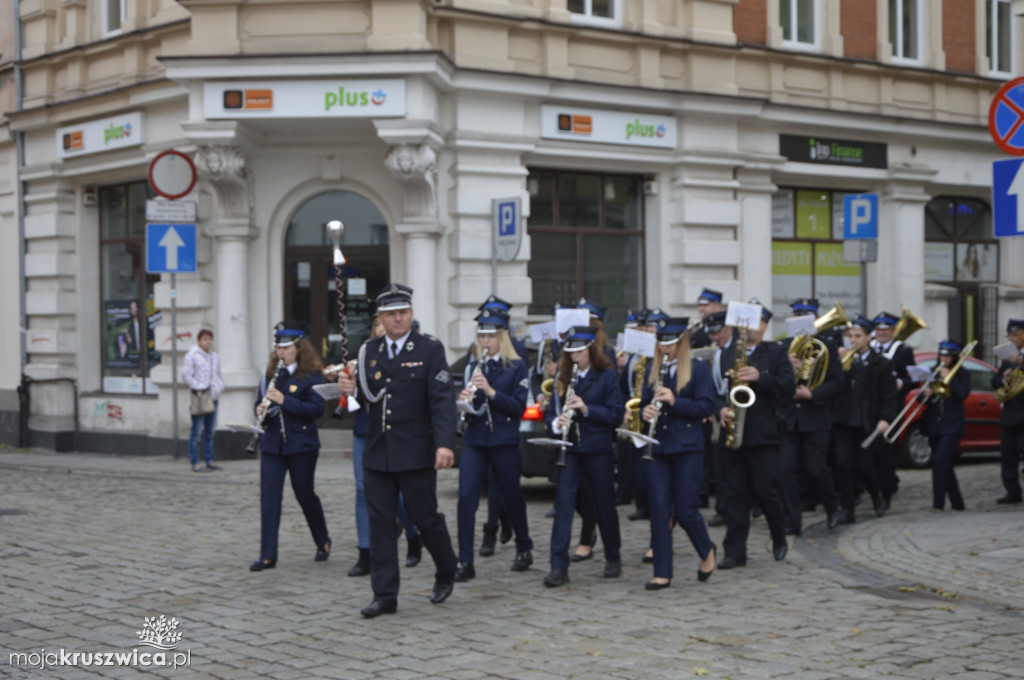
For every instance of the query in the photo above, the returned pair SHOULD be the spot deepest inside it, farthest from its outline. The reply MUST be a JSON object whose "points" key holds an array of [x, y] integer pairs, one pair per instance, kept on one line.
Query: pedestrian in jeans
{"points": [[202, 373]]}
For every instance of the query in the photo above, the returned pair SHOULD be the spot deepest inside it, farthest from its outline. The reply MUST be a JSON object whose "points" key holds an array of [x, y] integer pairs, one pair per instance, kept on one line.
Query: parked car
{"points": [[981, 408]]}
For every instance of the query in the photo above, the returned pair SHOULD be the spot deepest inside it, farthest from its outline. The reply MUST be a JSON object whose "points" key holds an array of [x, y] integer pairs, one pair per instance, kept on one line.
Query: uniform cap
{"points": [[861, 321], [491, 321], [670, 329], [950, 348], [885, 320], [596, 311], [394, 296], [579, 337], [287, 333], [707, 295]]}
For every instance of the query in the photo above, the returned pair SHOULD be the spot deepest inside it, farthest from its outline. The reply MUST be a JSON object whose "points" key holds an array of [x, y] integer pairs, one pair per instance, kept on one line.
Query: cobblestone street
{"points": [[92, 545]]}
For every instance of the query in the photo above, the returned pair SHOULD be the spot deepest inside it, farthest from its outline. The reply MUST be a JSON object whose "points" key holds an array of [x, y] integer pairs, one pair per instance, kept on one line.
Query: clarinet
{"points": [[570, 392], [254, 442], [658, 405]]}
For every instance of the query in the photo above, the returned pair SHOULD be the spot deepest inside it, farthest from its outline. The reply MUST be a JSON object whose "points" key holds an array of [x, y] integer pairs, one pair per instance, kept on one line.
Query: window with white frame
{"points": [[596, 12], [112, 16], [799, 19], [1000, 36], [905, 29]]}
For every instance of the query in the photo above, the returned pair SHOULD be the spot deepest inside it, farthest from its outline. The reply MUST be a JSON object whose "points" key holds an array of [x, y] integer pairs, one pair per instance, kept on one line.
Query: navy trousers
{"points": [[806, 453], [943, 476], [673, 483], [301, 467], [1011, 446], [600, 469], [507, 464]]}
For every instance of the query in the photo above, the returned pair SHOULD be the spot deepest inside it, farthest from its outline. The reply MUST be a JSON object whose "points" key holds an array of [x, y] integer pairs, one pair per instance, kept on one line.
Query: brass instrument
{"points": [[939, 388], [1013, 387], [848, 360], [634, 423], [658, 405], [908, 324], [570, 392], [741, 397], [547, 386], [812, 352], [254, 442]]}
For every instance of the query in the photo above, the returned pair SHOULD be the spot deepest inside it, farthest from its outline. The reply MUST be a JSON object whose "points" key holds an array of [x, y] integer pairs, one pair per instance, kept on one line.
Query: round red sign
{"points": [[172, 174]]}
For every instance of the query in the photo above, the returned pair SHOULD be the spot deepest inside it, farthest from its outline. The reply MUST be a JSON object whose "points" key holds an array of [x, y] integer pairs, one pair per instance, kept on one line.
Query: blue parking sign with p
{"points": [[507, 221], [860, 216]]}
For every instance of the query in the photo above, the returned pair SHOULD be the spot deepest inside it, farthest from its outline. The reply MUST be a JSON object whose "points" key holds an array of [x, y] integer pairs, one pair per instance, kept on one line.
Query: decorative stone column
{"points": [[415, 167]]}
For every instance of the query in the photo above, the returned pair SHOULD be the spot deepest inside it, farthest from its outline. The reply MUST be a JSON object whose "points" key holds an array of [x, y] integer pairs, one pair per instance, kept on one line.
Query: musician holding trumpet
{"points": [[677, 396], [592, 408], [1009, 386], [945, 423], [493, 401], [288, 408]]}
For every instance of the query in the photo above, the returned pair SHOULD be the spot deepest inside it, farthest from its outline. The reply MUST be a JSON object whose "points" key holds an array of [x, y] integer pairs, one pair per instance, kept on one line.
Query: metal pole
{"points": [[174, 357], [494, 247]]}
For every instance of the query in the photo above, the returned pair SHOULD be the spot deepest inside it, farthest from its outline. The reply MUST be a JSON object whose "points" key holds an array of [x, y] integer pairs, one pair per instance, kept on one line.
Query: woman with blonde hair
{"points": [[678, 394]]}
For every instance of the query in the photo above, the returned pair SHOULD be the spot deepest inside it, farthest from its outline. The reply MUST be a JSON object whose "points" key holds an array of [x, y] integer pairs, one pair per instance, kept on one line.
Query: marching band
{"points": [[771, 428]]}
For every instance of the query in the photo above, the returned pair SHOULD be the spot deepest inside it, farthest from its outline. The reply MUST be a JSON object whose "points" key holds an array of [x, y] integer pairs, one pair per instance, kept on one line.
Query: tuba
{"points": [[1013, 387], [908, 324], [812, 352], [634, 422], [741, 397]]}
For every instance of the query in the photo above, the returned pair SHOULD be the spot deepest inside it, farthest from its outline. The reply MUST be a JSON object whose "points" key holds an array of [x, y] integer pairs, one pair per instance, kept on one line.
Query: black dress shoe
{"points": [[362, 566], [793, 532], [647, 559], [323, 553], [731, 563], [260, 565], [657, 585], [716, 521], [613, 569], [576, 557], [415, 551], [556, 578], [1008, 500], [442, 589], [523, 561], [846, 516], [464, 572], [490, 539], [833, 519], [641, 513], [878, 501], [780, 551], [705, 575], [378, 607]]}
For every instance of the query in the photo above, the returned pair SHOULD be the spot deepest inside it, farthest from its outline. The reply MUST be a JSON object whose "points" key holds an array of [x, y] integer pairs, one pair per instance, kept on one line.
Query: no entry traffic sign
{"points": [[1006, 117]]}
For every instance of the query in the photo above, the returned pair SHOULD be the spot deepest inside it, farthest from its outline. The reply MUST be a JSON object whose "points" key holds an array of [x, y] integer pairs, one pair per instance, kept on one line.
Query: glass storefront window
{"points": [[129, 315], [587, 243], [961, 243]]}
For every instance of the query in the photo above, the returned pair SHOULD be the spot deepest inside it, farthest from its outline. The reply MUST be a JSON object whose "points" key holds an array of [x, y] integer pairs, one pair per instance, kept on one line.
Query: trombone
{"points": [[939, 388]]}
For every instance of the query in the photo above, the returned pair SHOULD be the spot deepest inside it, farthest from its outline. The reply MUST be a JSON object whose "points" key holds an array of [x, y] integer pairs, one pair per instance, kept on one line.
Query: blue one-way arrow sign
{"points": [[1008, 197], [170, 248]]}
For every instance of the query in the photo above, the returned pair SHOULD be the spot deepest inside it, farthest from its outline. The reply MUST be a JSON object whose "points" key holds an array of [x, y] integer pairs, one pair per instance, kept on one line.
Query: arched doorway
{"points": [[309, 270]]}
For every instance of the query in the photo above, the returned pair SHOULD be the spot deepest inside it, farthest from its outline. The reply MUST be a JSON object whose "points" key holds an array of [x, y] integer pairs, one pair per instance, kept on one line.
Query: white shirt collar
{"points": [[292, 367], [400, 342]]}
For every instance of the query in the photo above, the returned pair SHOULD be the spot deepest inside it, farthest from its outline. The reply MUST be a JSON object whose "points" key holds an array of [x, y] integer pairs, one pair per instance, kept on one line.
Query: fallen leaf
{"points": [[700, 670], [948, 594], [595, 654], [946, 608], [774, 635], [855, 631]]}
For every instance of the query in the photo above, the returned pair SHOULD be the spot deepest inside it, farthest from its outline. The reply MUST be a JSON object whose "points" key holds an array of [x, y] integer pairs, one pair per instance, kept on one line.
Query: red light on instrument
{"points": [[533, 413]]}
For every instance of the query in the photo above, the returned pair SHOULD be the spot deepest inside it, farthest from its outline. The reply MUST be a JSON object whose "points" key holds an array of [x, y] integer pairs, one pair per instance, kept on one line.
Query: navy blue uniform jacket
{"points": [[815, 414], [946, 416], [679, 426], [600, 392], [416, 413], [869, 394], [301, 408], [510, 384]]}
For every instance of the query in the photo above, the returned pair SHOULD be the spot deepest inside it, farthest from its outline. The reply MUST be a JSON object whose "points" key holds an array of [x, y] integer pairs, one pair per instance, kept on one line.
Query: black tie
{"points": [[394, 350]]}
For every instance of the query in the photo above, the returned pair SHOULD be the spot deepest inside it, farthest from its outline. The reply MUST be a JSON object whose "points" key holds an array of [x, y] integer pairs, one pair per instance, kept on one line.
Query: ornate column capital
{"points": [[416, 168], [224, 168]]}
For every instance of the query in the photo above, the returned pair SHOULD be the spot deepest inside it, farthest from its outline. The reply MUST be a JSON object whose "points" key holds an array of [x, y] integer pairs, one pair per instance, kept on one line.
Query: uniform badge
{"points": [[376, 376], [409, 346], [293, 388], [373, 362], [443, 377]]}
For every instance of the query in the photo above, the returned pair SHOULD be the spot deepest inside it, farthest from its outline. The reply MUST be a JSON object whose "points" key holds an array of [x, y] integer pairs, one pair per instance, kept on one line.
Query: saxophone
{"points": [[1013, 386], [634, 423], [570, 392], [741, 397]]}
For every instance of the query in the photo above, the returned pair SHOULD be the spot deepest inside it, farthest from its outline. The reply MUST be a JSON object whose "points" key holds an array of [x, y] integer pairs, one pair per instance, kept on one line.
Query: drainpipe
{"points": [[19, 142]]}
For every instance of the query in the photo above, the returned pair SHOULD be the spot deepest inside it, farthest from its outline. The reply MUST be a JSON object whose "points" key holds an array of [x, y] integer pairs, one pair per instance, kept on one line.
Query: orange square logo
{"points": [[259, 99], [582, 125]]}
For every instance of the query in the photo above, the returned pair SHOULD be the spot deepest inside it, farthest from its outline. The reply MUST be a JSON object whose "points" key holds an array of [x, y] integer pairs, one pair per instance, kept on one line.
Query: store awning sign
{"points": [[630, 128], [304, 99], [1006, 117], [828, 151], [104, 134]]}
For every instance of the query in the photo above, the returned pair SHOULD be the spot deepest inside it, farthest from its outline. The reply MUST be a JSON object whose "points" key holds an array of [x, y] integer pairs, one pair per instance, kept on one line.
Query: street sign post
{"points": [[1008, 197], [171, 248], [860, 216], [507, 217]]}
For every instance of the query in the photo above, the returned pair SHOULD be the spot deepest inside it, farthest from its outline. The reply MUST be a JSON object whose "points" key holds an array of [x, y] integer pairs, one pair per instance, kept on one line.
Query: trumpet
{"points": [[939, 388], [570, 392], [254, 441]]}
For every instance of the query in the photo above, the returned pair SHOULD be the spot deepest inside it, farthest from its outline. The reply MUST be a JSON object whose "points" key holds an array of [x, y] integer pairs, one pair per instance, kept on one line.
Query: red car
{"points": [[981, 408]]}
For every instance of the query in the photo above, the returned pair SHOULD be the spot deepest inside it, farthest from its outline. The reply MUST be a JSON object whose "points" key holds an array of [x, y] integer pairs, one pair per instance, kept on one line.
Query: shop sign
{"points": [[826, 151], [304, 99], [105, 134], [608, 127]]}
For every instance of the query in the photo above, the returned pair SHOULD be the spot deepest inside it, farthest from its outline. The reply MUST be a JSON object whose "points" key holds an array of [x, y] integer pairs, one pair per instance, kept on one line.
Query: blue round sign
{"points": [[1006, 117]]}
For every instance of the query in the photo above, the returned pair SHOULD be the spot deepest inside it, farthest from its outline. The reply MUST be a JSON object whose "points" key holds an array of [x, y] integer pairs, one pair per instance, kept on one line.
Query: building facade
{"points": [[657, 147]]}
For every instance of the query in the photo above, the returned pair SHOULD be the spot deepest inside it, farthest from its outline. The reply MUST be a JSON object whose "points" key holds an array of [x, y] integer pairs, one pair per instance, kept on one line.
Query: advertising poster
{"points": [[124, 335]]}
